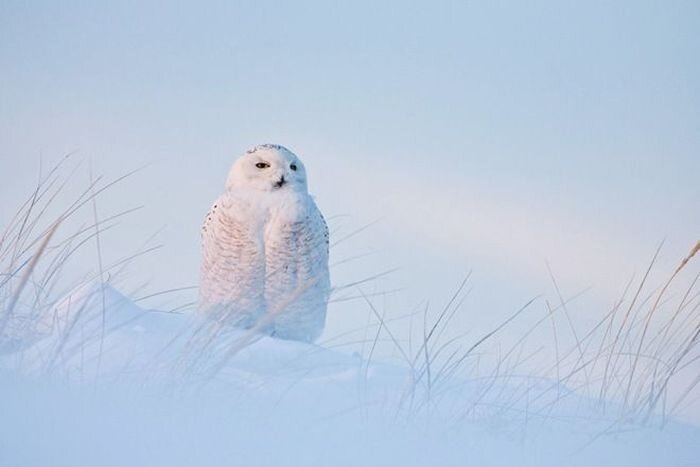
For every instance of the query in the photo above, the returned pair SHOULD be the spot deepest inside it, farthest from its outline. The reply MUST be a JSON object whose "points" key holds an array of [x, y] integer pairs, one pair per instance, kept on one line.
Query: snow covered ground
{"points": [[105, 382]]}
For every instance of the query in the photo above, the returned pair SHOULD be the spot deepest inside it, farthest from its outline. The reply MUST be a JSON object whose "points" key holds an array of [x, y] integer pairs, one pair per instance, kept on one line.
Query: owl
{"points": [[265, 249]]}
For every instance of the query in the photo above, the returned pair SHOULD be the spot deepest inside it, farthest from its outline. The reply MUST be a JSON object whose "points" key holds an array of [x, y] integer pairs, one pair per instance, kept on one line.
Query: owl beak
{"points": [[280, 182]]}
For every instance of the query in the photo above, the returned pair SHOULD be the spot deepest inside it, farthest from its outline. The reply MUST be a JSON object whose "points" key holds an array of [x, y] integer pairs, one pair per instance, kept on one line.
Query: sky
{"points": [[491, 137]]}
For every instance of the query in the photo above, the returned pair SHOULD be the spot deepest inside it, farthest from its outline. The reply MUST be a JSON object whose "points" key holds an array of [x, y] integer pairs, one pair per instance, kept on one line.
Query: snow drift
{"points": [[113, 384]]}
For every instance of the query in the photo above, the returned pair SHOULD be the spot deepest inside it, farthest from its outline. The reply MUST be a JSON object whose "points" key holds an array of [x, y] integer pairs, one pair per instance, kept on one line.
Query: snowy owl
{"points": [[265, 249]]}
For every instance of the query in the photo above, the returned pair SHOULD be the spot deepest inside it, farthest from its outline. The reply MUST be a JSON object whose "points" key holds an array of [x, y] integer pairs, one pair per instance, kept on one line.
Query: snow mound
{"points": [[116, 384], [97, 334]]}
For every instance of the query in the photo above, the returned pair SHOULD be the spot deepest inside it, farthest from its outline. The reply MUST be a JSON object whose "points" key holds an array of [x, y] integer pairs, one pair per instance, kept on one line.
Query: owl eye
{"points": [[293, 166], [262, 165]]}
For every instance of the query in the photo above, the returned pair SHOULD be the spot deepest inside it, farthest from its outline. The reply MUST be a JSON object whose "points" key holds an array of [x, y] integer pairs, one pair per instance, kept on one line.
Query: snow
{"points": [[111, 383]]}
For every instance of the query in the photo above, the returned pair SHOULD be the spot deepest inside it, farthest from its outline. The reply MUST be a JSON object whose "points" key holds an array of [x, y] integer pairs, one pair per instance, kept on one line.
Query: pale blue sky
{"points": [[484, 136]]}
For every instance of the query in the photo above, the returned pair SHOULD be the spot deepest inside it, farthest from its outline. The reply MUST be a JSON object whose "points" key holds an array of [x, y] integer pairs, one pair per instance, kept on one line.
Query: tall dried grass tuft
{"points": [[33, 259]]}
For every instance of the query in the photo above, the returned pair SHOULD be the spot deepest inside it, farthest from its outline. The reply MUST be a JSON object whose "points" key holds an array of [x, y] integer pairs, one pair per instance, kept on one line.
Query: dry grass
{"points": [[636, 361], [626, 363], [43, 240]]}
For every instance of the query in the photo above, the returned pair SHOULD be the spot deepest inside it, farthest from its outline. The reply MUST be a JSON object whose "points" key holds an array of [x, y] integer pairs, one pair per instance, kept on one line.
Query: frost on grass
{"points": [[89, 377]]}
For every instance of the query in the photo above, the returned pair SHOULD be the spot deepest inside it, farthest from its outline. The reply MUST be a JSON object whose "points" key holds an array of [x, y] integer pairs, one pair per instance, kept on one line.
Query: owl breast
{"points": [[265, 260]]}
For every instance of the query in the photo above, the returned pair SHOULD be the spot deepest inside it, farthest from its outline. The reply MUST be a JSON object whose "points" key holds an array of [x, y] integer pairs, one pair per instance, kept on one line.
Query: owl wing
{"points": [[232, 271], [207, 224], [326, 232], [297, 279]]}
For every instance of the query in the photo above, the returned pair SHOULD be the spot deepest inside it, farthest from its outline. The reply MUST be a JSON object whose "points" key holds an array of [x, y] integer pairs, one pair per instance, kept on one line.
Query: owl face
{"points": [[268, 167]]}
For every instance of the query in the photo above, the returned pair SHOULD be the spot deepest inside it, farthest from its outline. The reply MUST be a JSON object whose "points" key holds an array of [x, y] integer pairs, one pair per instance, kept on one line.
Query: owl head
{"points": [[267, 167]]}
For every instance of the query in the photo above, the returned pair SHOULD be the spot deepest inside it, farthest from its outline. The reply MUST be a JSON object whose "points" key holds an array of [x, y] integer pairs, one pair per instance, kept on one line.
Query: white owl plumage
{"points": [[265, 249]]}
